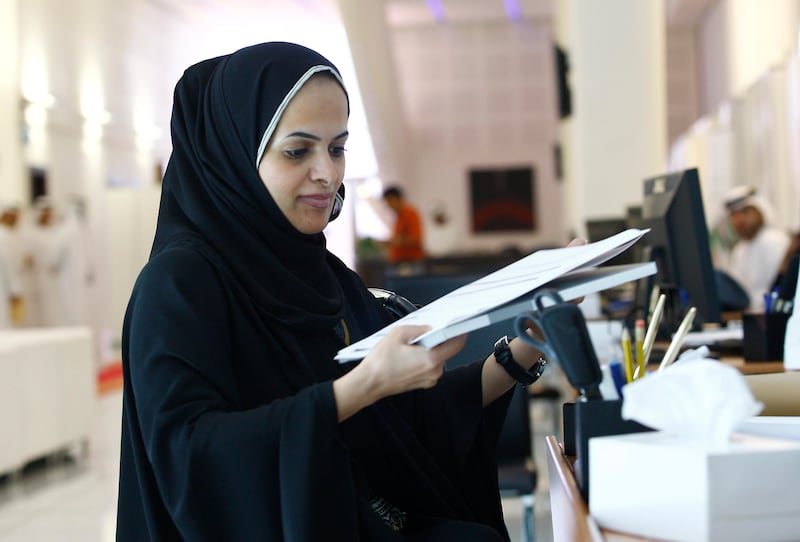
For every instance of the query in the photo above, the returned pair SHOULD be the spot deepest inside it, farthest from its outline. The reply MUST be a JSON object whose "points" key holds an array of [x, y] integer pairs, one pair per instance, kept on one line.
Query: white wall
{"points": [[739, 40], [749, 133], [480, 96], [10, 128], [683, 98], [618, 132]]}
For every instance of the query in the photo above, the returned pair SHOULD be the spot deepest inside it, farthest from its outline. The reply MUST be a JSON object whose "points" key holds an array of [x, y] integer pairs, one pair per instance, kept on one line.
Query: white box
{"points": [[655, 485]]}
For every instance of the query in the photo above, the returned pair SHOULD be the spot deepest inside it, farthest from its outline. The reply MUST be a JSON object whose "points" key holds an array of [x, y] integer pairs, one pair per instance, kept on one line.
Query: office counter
{"points": [[571, 519], [770, 384], [778, 392], [753, 367], [47, 392], [570, 514]]}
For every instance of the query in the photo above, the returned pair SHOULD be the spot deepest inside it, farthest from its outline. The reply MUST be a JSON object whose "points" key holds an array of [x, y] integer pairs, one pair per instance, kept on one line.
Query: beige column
{"points": [[370, 45], [12, 187], [617, 134]]}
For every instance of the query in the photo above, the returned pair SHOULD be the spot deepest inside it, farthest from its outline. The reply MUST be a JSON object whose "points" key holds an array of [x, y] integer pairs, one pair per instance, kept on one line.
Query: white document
{"points": [[472, 306], [711, 336]]}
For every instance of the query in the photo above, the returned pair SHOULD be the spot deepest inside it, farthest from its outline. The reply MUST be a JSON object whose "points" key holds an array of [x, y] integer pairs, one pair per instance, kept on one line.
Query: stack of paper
{"points": [[507, 292]]}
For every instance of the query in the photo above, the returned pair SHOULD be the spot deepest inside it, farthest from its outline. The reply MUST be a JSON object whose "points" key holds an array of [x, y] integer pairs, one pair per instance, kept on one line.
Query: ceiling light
{"points": [[513, 10], [437, 10]]}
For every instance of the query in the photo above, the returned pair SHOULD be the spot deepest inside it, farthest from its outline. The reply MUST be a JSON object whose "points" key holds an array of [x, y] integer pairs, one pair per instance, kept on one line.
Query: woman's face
{"points": [[303, 165]]}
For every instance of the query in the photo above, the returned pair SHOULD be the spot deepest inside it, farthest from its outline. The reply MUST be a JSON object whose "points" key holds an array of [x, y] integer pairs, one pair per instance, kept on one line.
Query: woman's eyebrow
{"points": [[306, 135]]}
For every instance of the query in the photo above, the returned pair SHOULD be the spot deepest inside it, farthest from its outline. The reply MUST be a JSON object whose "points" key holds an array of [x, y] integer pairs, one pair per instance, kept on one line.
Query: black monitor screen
{"points": [[678, 242], [598, 229]]}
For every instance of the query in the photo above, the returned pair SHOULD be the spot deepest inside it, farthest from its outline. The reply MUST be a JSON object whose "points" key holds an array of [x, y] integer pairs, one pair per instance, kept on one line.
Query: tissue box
{"points": [[656, 485]]}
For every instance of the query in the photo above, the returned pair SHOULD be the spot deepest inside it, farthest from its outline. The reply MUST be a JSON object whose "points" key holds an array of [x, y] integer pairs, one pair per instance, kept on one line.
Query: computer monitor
{"points": [[598, 229], [678, 242], [633, 216]]}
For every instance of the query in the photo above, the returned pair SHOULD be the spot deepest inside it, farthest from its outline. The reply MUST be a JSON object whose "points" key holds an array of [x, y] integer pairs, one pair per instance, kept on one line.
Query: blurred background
{"points": [[583, 99]]}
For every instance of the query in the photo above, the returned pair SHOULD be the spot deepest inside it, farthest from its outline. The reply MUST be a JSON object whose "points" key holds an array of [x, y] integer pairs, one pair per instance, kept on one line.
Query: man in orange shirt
{"points": [[405, 244]]}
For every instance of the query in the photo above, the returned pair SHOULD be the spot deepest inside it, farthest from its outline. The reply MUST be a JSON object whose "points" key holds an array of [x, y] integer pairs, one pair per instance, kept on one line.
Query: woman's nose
{"points": [[324, 169]]}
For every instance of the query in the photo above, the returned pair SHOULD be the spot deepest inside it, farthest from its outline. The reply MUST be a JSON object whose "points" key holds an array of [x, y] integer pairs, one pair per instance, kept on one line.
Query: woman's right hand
{"points": [[393, 366]]}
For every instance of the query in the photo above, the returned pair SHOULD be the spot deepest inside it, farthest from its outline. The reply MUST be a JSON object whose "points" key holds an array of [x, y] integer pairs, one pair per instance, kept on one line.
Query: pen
{"points": [[769, 301], [655, 296], [638, 337], [677, 340], [617, 375], [627, 353], [652, 328]]}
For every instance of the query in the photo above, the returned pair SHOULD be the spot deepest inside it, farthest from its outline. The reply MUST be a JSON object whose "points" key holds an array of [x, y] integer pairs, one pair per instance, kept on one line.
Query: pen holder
{"points": [[586, 419], [763, 336]]}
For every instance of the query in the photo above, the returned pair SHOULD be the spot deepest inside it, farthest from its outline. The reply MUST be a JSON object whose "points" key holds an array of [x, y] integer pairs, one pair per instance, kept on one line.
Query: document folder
{"points": [[505, 293]]}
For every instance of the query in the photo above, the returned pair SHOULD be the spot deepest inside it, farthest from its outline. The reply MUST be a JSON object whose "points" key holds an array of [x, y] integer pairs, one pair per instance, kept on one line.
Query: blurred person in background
{"points": [[10, 269], [43, 265], [759, 251], [62, 268], [405, 248], [76, 265]]}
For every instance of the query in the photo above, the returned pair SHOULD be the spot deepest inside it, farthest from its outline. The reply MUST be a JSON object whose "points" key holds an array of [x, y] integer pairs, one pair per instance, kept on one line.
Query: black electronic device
{"points": [[598, 229], [393, 302], [678, 242], [338, 203], [567, 340]]}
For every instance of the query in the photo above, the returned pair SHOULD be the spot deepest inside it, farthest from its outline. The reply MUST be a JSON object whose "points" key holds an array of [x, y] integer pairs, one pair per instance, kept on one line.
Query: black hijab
{"points": [[225, 111]]}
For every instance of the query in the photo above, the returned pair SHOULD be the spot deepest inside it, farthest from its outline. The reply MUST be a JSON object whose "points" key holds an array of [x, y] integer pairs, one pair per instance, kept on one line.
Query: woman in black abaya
{"points": [[238, 424]]}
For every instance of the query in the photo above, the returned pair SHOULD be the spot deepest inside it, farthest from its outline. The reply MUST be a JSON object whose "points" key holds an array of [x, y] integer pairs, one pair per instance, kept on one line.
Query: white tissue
{"points": [[702, 401]]}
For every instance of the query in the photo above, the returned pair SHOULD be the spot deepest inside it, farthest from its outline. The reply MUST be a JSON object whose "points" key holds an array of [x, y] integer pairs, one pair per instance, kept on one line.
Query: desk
{"points": [[753, 367], [571, 520], [771, 384], [777, 391], [745, 367], [47, 392]]}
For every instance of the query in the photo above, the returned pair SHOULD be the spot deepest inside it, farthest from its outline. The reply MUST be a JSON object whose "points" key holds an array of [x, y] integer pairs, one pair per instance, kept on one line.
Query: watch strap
{"points": [[503, 356]]}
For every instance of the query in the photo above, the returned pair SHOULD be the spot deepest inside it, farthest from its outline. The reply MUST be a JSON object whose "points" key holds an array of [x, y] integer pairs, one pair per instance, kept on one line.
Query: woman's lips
{"points": [[318, 201]]}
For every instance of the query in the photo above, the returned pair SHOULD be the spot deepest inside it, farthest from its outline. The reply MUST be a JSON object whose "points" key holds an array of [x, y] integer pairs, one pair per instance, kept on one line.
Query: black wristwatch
{"points": [[502, 354]]}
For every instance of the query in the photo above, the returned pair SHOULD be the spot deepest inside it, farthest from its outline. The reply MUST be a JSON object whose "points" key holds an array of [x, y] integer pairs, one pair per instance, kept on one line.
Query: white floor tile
{"points": [[68, 500]]}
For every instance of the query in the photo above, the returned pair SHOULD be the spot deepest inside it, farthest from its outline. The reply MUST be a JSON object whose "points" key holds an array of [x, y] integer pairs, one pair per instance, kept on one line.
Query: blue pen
{"points": [[618, 376]]}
